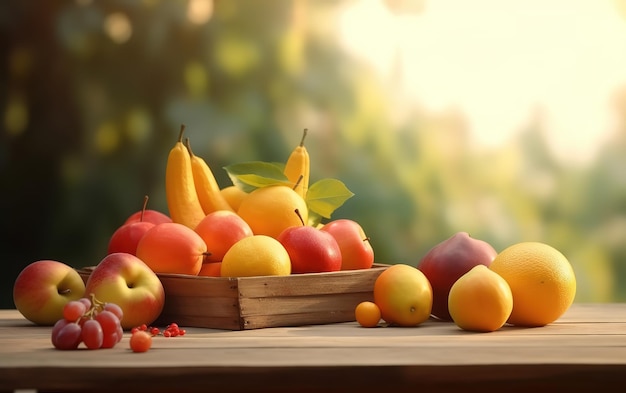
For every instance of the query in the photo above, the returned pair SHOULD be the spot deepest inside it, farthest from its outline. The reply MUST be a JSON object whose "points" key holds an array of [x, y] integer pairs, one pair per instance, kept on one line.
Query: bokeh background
{"points": [[505, 119]]}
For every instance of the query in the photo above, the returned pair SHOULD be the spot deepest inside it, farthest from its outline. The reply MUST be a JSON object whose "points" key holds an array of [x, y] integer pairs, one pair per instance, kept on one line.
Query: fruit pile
{"points": [[466, 281], [267, 223]]}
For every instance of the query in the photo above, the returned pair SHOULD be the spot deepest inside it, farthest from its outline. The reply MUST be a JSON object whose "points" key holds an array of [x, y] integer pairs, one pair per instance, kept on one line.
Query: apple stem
{"points": [[65, 291], [143, 208], [205, 261], [297, 211], [367, 239]]}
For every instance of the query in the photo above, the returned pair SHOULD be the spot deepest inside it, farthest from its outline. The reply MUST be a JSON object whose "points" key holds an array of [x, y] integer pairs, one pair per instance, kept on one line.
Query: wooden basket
{"points": [[241, 303]]}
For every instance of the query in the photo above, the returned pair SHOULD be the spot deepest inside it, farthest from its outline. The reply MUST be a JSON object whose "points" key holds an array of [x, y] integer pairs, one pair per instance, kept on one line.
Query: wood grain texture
{"points": [[585, 350]]}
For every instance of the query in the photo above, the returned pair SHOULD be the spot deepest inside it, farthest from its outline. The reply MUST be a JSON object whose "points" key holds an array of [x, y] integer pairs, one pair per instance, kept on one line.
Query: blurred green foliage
{"points": [[93, 94]]}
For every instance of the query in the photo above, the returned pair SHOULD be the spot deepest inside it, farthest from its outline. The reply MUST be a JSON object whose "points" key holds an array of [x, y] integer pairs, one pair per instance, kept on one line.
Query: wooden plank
{"points": [[281, 305], [311, 283], [296, 319], [186, 285], [196, 305]]}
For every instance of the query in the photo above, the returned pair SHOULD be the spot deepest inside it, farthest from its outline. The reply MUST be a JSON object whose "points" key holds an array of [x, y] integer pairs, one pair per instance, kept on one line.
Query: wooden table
{"points": [[585, 350]]}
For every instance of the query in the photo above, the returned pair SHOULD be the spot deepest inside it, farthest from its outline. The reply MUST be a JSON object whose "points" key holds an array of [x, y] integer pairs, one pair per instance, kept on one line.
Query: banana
{"points": [[209, 195], [180, 190], [298, 166]]}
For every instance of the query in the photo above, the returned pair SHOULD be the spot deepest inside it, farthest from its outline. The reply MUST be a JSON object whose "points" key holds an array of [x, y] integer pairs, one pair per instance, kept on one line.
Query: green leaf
{"points": [[314, 219], [256, 174], [326, 195]]}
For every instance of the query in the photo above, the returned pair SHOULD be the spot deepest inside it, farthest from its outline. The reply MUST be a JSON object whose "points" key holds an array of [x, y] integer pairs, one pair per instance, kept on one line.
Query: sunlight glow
{"points": [[200, 11], [503, 62]]}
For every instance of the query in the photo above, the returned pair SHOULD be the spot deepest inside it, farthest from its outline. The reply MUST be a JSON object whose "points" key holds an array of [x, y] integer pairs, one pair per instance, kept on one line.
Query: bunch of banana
{"points": [[298, 166], [190, 187]]}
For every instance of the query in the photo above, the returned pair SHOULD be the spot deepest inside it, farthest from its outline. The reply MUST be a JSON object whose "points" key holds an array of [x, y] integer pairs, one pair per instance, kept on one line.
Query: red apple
{"points": [[220, 230], [153, 216], [42, 289], [125, 280], [356, 250], [448, 261], [126, 237], [310, 250]]}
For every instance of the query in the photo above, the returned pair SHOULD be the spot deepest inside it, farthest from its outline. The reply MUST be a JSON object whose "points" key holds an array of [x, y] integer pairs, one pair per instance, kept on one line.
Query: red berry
{"points": [[140, 341]]}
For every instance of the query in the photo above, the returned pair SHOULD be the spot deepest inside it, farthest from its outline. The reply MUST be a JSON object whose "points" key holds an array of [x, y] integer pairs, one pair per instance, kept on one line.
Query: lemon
{"points": [[541, 279], [269, 210], [257, 255]]}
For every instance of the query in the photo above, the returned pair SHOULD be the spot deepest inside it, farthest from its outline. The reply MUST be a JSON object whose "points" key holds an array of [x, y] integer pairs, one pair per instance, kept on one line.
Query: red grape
{"points": [[74, 310], [86, 301], [109, 340], [108, 321], [92, 334], [66, 335], [115, 309]]}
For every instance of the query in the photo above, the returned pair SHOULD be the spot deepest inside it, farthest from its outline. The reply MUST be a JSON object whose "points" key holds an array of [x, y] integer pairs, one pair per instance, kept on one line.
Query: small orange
{"points": [[542, 282], [480, 300], [367, 314]]}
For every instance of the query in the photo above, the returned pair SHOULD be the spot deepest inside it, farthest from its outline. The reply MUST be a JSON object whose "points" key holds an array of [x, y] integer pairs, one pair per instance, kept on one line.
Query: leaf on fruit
{"points": [[325, 196], [256, 174]]}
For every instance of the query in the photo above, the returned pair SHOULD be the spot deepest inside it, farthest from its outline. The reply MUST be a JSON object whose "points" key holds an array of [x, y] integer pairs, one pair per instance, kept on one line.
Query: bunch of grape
{"points": [[90, 321]]}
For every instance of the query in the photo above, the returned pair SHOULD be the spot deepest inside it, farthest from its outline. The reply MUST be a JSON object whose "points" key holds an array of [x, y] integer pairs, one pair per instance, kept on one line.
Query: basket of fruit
{"points": [[251, 255]]}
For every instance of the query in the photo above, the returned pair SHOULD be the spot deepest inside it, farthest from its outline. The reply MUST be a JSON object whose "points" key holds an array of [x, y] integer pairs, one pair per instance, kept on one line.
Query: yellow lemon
{"points": [[257, 255], [541, 279], [480, 300], [269, 210]]}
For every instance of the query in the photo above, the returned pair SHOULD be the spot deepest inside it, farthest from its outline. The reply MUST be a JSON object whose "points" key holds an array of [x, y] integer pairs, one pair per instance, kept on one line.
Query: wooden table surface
{"points": [[584, 350]]}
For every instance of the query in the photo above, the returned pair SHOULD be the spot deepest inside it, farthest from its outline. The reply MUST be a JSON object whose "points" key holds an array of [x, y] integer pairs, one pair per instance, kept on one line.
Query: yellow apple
{"points": [[42, 289], [125, 280]]}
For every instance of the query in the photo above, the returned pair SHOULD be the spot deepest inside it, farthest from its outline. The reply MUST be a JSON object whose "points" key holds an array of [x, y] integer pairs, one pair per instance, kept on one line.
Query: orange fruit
{"points": [[233, 195], [171, 247], [213, 269], [404, 295], [480, 300], [367, 314], [542, 282], [269, 210], [257, 255]]}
